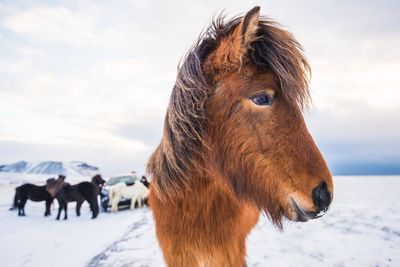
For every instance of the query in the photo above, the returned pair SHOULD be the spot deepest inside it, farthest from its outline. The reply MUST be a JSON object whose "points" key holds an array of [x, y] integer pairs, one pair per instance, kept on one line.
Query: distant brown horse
{"points": [[54, 185], [235, 143]]}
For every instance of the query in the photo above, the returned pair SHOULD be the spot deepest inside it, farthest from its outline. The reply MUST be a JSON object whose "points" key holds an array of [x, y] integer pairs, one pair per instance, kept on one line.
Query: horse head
{"points": [[256, 131], [98, 180], [237, 110]]}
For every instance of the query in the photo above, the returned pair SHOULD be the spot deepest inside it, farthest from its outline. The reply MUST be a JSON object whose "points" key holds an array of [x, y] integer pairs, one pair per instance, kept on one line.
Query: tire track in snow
{"points": [[137, 247]]}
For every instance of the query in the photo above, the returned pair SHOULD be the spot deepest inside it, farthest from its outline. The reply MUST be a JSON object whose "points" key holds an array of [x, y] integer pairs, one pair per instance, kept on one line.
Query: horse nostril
{"points": [[321, 196]]}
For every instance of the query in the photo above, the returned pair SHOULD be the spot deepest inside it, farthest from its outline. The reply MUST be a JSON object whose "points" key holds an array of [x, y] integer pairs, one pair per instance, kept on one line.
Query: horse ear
{"points": [[248, 27], [231, 50]]}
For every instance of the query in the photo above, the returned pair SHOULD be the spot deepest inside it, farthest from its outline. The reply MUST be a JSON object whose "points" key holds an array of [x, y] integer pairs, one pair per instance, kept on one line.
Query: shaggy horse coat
{"points": [[235, 144]]}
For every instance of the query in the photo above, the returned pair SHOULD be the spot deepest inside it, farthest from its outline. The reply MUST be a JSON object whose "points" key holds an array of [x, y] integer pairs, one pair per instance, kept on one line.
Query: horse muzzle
{"points": [[321, 199]]}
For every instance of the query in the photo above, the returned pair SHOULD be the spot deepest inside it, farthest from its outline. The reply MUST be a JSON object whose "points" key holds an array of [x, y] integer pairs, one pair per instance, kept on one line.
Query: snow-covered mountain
{"points": [[75, 169]]}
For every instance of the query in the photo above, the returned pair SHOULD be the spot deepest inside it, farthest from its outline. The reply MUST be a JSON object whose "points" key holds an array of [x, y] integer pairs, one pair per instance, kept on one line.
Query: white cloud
{"points": [[29, 51], [57, 24], [98, 75], [85, 26]]}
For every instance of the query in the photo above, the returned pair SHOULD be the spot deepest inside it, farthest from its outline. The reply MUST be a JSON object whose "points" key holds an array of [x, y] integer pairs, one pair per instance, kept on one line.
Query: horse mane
{"points": [[182, 145]]}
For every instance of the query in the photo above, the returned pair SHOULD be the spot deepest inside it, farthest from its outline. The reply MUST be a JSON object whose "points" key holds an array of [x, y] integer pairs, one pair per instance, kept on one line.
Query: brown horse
{"points": [[54, 185], [235, 143]]}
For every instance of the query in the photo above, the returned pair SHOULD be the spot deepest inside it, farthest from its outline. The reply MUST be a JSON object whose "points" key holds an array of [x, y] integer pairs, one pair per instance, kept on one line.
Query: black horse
{"points": [[79, 193], [146, 183], [36, 193], [31, 192]]}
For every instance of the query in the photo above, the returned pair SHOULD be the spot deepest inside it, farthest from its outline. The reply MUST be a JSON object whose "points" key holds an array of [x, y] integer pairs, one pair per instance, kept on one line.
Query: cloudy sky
{"points": [[90, 80]]}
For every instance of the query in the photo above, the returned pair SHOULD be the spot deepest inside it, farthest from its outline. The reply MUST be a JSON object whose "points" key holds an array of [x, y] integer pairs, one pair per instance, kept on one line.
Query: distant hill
{"points": [[70, 169]]}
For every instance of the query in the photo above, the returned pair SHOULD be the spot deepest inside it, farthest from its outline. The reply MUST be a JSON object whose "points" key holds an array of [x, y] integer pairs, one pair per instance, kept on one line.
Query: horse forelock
{"points": [[276, 50], [183, 146]]}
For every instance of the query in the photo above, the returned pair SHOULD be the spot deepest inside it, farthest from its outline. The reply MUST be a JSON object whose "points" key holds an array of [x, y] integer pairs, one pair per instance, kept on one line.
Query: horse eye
{"points": [[262, 100]]}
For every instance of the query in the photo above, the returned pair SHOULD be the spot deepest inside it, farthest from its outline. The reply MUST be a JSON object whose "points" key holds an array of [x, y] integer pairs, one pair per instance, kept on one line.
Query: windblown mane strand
{"points": [[182, 145], [186, 115]]}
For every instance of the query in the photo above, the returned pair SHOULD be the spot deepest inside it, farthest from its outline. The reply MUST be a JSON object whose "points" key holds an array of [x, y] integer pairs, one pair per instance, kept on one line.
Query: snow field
{"points": [[362, 228]]}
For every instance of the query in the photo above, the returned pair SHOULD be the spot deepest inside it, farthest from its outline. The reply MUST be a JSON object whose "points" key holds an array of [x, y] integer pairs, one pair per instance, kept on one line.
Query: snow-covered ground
{"points": [[38, 241], [362, 228]]}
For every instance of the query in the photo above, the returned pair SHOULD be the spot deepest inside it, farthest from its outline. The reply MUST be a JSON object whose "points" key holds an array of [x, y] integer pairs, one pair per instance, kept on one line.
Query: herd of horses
{"points": [[83, 191]]}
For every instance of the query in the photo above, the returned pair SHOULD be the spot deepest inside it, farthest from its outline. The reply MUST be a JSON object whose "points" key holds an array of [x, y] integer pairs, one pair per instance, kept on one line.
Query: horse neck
{"points": [[208, 193], [202, 184]]}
